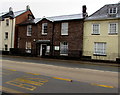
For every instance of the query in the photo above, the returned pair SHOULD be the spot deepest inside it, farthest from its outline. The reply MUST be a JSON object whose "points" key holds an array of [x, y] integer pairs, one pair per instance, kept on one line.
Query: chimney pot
{"points": [[27, 7], [10, 9], [84, 8]]}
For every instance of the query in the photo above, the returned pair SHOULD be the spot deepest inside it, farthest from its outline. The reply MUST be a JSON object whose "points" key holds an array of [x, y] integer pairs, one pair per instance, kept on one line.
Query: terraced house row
{"points": [[72, 36]]}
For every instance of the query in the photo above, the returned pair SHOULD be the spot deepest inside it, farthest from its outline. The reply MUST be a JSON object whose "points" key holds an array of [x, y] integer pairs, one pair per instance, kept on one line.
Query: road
{"points": [[23, 76]]}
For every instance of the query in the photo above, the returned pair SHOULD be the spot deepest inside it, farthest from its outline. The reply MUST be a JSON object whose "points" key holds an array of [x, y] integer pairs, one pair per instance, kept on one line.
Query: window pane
{"points": [[64, 29], [100, 48], [7, 22], [95, 28], [6, 47], [6, 35], [63, 48], [28, 47], [44, 28], [113, 28], [29, 30]]}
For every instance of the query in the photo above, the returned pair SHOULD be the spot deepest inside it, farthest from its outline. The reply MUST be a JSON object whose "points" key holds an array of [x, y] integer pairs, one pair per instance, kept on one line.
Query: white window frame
{"points": [[43, 28], [6, 36], [6, 49], [64, 28], [65, 47], [47, 50], [100, 48], [94, 28], [29, 30], [28, 50], [111, 10], [110, 28], [7, 22]]}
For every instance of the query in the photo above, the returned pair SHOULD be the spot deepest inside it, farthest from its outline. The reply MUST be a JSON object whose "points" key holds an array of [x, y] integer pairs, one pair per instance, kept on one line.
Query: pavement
{"points": [[114, 64]]}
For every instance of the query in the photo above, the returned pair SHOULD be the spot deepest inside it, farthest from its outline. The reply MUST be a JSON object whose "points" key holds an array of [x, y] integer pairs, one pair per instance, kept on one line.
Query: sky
{"points": [[50, 8]]}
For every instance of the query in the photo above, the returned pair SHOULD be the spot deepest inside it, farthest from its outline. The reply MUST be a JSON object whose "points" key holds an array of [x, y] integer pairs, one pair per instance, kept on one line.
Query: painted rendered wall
{"points": [[89, 39], [119, 38], [10, 29], [0, 36]]}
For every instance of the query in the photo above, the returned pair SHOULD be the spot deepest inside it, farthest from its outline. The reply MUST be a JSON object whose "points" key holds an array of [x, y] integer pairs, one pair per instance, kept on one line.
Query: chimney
{"points": [[10, 9], [84, 8], [27, 7]]}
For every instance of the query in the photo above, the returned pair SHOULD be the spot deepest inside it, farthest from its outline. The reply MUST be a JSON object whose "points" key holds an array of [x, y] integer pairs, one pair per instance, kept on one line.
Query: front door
{"points": [[43, 50]]}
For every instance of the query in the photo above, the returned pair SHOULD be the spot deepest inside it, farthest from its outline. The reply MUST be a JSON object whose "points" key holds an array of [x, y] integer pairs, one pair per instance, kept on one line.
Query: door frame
{"points": [[41, 45]]}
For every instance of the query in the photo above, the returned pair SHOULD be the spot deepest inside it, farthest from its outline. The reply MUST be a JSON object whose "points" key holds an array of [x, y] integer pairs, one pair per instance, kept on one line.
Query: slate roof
{"points": [[61, 18], [102, 13], [17, 13], [54, 18], [3, 13], [65, 17]]}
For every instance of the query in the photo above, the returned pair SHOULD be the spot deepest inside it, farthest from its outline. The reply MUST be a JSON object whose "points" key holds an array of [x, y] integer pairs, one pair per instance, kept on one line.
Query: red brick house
{"points": [[21, 16], [53, 36]]}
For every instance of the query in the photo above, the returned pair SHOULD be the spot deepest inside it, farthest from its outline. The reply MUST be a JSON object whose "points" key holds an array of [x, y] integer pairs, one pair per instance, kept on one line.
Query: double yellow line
{"points": [[102, 85], [63, 79]]}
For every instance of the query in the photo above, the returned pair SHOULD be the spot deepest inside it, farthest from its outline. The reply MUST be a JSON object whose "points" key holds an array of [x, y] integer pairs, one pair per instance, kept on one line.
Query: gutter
{"points": [[12, 33]]}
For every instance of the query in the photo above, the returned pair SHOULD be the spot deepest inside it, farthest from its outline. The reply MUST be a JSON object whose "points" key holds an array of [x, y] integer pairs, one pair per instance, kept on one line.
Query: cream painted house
{"points": [[101, 39], [7, 25]]}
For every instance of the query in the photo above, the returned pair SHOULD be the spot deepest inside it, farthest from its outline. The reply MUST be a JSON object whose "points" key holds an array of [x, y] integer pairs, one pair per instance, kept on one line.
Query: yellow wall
{"points": [[111, 40]]}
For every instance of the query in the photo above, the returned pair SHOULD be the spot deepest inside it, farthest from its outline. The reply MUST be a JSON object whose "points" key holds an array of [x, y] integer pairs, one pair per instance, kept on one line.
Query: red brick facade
{"points": [[74, 37], [18, 20]]}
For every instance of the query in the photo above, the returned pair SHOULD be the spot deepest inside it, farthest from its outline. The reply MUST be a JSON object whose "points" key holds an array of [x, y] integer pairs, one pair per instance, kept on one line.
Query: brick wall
{"points": [[20, 19], [74, 37]]}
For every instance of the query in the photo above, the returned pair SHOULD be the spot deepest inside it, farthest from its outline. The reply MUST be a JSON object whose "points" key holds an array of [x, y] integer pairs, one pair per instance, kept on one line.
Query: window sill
{"points": [[112, 33], [99, 54], [64, 35], [28, 35], [64, 54], [95, 34], [44, 34]]}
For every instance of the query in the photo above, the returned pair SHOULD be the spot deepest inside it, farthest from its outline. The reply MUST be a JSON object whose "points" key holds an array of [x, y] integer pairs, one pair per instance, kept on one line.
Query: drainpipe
{"points": [[53, 40], [11, 33]]}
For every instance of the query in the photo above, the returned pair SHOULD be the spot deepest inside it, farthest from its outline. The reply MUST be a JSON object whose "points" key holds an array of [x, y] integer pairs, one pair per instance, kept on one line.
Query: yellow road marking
{"points": [[27, 83], [9, 90], [33, 74], [21, 85], [30, 82], [102, 85], [62, 79], [11, 70]]}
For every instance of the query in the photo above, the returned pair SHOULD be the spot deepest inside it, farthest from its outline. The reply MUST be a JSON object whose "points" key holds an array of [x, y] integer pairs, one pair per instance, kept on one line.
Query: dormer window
{"points": [[113, 10]]}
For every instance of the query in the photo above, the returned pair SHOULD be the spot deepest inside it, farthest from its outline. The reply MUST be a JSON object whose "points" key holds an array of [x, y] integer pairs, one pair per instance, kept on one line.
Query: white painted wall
{"points": [[11, 31]]}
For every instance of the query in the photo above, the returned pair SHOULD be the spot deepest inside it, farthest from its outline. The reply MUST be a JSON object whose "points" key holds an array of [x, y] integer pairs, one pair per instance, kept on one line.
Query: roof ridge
{"points": [[19, 11], [64, 15]]}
